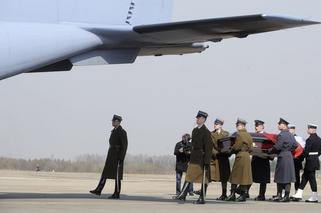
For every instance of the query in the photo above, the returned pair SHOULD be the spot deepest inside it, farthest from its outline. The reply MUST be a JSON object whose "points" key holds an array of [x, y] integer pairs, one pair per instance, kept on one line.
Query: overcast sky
{"points": [[262, 77]]}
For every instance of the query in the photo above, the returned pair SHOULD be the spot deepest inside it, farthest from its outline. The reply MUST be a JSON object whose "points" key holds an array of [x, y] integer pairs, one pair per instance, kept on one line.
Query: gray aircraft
{"points": [[55, 35]]}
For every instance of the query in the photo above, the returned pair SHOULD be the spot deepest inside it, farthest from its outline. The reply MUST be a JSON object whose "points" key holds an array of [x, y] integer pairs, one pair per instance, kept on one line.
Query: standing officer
{"points": [[182, 152], [284, 171], [242, 171], [311, 153], [261, 169], [298, 156], [223, 158], [115, 159], [198, 170]]}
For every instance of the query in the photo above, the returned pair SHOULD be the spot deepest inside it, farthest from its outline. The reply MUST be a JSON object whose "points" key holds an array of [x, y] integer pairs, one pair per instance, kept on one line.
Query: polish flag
{"points": [[301, 145]]}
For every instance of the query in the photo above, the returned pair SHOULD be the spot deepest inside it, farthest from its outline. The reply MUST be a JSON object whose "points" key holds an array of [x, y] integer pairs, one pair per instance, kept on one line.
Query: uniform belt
{"points": [[313, 153]]}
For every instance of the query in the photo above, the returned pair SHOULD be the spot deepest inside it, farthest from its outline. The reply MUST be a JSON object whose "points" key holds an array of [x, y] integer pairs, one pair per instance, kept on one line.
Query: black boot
{"points": [[116, 194], [278, 197], [232, 196], [242, 197], [238, 190], [198, 192], [99, 188], [261, 196], [223, 196], [286, 198], [183, 194], [201, 199]]}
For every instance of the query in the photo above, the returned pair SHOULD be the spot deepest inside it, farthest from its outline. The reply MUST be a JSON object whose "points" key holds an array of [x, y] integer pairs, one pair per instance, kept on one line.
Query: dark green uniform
{"points": [[198, 170], [242, 170], [201, 154], [223, 158]]}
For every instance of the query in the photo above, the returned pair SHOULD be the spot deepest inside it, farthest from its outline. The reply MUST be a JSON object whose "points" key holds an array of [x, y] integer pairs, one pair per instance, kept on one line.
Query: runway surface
{"points": [[31, 192]]}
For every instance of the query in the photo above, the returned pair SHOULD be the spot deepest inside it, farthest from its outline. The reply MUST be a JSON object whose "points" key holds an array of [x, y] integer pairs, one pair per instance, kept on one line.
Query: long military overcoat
{"points": [[116, 154], [201, 154], [285, 145], [242, 171]]}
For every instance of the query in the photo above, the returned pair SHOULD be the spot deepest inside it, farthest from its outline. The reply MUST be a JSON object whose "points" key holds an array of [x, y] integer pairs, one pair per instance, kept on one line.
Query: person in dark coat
{"points": [[115, 159], [182, 152], [312, 164], [261, 169], [298, 156], [198, 170], [241, 174], [284, 173]]}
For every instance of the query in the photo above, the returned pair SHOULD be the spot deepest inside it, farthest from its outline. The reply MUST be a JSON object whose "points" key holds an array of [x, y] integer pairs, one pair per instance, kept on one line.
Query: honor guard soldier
{"points": [[198, 170], [182, 152], [242, 172], [261, 169], [115, 159], [284, 171], [224, 168], [312, 164], [298, 156]]}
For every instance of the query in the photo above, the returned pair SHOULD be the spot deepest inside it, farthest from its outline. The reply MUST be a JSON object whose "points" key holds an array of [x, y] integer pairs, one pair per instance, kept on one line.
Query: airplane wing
{"points": [[43, 47], [216, 29]]}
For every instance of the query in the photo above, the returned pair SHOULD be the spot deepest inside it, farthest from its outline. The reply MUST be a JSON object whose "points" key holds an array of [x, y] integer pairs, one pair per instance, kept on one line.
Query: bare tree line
{"points": [[134, 164]]}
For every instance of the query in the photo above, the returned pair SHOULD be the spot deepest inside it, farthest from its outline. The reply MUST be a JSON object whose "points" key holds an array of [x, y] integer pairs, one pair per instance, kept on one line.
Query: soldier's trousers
{"points": [[284, 186], [262, 189], [297, 176], [309, 177], [102, 184]]}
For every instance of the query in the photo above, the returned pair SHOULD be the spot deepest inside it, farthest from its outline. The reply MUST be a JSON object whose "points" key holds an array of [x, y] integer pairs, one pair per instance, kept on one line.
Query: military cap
{"points": [[117, 118], [202, 114], [258, 122], [241, 121], [219, 121], [312, 126], [292, 126], [282, 121]]}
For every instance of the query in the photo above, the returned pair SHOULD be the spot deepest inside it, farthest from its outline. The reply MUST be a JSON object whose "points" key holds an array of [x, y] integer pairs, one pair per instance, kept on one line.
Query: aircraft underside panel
{"points": [[103, 57], [173, 50], [41, 45]]}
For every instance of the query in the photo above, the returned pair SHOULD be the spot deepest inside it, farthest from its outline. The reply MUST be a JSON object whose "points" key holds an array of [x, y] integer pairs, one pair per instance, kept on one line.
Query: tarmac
{"points": [[32, 192]]}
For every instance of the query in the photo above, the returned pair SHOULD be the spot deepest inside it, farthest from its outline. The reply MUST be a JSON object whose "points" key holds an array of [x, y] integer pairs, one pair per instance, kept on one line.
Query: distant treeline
{"points": [[134, 164]]}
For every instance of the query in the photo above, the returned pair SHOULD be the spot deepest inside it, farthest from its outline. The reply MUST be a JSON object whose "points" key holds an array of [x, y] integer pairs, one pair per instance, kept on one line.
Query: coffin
{"points": [[261, 143]]}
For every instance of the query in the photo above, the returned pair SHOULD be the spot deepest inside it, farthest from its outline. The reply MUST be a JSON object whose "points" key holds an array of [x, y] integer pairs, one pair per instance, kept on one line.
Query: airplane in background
{"points": [[55, 35]]}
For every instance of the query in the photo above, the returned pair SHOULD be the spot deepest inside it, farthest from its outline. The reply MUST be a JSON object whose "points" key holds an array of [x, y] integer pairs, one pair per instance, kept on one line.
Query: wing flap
{"points": [[218, 28]]}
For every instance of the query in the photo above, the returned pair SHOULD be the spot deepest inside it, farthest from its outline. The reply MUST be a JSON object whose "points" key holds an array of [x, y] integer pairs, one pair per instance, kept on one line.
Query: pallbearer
{"points": [[115, 159], [198, 170], [242, 171], [312, 164], [223, 158], [261, 166], [298, 156], [284, 171]]}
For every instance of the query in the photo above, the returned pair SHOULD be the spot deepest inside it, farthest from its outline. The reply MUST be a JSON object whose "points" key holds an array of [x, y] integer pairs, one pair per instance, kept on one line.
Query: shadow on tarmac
{"points": [[80, 196]]}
